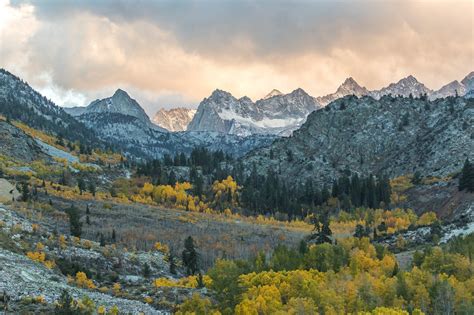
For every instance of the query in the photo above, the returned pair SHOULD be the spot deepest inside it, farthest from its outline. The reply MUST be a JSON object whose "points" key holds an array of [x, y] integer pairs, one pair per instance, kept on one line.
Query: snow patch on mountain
{"points": [[277, 115]]}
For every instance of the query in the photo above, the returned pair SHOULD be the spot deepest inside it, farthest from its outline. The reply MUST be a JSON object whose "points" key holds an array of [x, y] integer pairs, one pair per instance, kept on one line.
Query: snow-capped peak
{"points": [[224, 113], [272, 93]]}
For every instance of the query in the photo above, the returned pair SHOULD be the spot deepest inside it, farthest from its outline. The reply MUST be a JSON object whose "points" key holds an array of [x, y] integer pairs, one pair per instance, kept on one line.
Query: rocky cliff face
{"points": [[275, 114], [468, 81], [394, 136], [14, 143], [348, 87], [451, 89], [174, 119], [122, 104], [405, 87]]}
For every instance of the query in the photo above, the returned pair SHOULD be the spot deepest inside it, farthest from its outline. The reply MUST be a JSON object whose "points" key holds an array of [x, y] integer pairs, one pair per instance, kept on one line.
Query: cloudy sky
{"points": [[175, 53]]}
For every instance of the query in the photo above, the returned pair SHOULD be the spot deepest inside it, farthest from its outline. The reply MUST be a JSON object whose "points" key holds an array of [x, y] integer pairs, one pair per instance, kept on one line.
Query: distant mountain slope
{"points": [[273, 93], [174, 119], [75, 111], [120, 103], [21, 102], [405, 87], [121, 121], [281, 114], [348, 87], [276, 114], [468, 81], [392, 135], [451, 89]]}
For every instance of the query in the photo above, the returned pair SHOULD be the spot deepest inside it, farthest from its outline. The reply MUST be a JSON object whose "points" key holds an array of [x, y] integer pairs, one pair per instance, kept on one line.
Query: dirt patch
{"points": [[444, 198]]}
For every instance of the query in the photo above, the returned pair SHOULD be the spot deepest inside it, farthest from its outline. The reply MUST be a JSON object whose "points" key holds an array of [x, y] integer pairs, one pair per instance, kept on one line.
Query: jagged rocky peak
{"points": [[222, 112], [451, 89], [468, 81], [299, 92], [174, 119], [120, 103], [404, 87], [245, 99], [351, 87], [217, 93], [273, 93], [348, 87]]}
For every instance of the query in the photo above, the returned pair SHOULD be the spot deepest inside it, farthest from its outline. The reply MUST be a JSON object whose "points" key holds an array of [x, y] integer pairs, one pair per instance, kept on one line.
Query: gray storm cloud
{"points": [[180, 51]]}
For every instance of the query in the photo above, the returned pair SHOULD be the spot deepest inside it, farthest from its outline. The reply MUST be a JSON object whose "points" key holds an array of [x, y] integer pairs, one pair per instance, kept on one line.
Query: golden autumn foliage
{"points": [[116, 288], [186, 282], [40, 256], [197, 305], [366, 281], [225, 193], [83, 282], [161, 247]]}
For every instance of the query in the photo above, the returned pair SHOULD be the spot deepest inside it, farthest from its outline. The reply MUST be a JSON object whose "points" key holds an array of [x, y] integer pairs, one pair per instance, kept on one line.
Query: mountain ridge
{"points": [[366, 136], [174, 119]]}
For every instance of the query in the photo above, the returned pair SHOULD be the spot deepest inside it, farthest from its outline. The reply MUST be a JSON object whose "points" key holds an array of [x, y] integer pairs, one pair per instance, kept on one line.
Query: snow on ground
{"points": [[57, 153]]}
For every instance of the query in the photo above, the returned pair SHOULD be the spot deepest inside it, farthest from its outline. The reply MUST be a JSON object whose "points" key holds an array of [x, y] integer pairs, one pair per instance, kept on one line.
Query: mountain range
{"points": [[221, 121], [117, 122], [277, 114], [280, 114]]}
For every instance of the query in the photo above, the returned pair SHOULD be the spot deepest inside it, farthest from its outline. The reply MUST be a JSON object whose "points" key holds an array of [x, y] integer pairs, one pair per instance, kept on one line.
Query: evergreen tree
{"points": [[172, 264], [88, 221], [190, 256], [102, 240], [359, 231], [92, 188], [303, 247], [114, 236], [25, 192], [382, 227], [172, 178], [321, 232], [74, 221], [146, 270], [200, 281], [416, 180], [466, 181], [81, 185], [65, 305]]}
